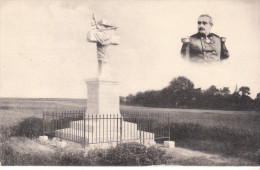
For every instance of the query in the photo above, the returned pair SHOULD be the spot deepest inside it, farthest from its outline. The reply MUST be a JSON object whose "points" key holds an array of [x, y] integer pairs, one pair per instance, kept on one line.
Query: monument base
{"points": [[105, 132], [103, 96]]}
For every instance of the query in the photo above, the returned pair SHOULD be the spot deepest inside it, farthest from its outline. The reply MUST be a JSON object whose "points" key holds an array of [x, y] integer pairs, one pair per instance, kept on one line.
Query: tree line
{"points": [[180, 93]]}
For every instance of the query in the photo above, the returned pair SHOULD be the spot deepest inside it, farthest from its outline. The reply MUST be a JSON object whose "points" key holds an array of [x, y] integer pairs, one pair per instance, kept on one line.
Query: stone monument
{"points": [[103, 99], [103, 90]]}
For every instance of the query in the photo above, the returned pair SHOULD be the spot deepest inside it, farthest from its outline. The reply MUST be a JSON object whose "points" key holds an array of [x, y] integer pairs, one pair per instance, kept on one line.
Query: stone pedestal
{"points": [[103, 96], [105, 131]]}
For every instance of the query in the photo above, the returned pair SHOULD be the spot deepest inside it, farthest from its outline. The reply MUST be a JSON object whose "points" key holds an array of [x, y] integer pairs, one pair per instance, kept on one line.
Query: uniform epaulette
{"points": [[195, 35]]}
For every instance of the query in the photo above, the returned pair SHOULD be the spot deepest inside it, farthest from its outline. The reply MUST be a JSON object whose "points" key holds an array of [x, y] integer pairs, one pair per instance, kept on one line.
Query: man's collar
{"points": [[199, 35]]}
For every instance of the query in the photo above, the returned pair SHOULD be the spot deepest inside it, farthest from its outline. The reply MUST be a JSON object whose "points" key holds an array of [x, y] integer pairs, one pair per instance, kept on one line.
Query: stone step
{"points": [[126, 134], [101, 137], [102, 125]]}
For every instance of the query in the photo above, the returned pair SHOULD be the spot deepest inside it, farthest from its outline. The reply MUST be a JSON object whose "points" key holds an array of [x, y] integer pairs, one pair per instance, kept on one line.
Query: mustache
{"points": [[201, 29]]}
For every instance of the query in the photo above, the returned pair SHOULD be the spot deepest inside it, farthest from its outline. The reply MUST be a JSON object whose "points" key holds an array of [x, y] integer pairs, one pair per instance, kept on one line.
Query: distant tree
{"points": [[225, 91], [257, 97], [181, 93], [181, 83], [244, 90], [257, 101], [245, 101], [185, 95], [139, 98], [129, 99], [152, 98], [212, 90], [197, 99], [122, 100], [235, 97]]}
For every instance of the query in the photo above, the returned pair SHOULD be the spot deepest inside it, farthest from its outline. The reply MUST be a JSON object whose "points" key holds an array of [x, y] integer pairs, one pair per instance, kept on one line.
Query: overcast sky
{"points": [[44, 52]]}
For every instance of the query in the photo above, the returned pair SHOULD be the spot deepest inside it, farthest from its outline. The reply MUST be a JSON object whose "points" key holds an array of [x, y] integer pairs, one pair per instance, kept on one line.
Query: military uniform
{"points": [[201, 49]]}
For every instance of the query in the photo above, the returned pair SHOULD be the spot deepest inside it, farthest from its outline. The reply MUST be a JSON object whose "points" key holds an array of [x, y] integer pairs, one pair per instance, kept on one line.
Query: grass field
{"points": [[13, 110], [232, 133], [246, 121]]}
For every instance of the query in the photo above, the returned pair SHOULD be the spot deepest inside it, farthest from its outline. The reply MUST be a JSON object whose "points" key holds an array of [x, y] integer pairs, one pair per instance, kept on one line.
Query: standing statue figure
{"points": [[103, 33]]}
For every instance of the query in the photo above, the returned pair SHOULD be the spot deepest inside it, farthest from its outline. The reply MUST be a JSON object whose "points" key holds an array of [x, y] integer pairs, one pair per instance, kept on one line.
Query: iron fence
{"points": [[91, 129]]}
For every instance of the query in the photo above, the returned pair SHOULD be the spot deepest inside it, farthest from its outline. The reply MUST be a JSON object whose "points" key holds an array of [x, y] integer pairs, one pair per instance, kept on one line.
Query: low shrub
{"points": [[133, 154], [95, 157], [30, 127], [157, 156], [23, 151], [80, 158], [8, 155], [5, 133], [126, 154], [72, 159], [5, 108]]}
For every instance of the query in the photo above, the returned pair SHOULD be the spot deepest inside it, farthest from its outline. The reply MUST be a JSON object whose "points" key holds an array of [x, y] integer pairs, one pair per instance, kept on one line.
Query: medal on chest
{"points": [[207, 40]]}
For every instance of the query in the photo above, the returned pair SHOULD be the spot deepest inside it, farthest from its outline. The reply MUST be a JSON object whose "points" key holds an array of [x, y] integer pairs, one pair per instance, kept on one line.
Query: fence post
{"points": [[61, 120], [169, 128], [103, 129], [99, 129], [110, 129], [117, 129], [52, 121], [88, 129], [121, 124], [43, 125], [84, 124], [107, 129], [96, 128], [140, 129]]}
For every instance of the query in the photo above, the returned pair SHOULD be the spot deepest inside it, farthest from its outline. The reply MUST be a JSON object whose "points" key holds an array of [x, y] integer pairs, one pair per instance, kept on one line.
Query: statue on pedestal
{"points": [[103, 33]]}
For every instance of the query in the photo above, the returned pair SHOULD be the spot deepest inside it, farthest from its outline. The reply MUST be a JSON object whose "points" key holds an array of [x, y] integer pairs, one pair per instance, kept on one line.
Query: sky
{"points": [[44, 52]]}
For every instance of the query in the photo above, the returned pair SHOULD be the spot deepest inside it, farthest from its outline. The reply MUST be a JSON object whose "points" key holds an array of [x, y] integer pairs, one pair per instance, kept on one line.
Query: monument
{"points": [[103, 90], [103, 99]]}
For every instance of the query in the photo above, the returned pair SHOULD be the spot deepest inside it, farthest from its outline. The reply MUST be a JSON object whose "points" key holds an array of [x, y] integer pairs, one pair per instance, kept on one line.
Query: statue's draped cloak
{"points": [[104, 38]]}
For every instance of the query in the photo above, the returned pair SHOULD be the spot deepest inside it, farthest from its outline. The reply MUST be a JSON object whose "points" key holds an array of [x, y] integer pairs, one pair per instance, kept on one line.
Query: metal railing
{"points": [[91, 129]]}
